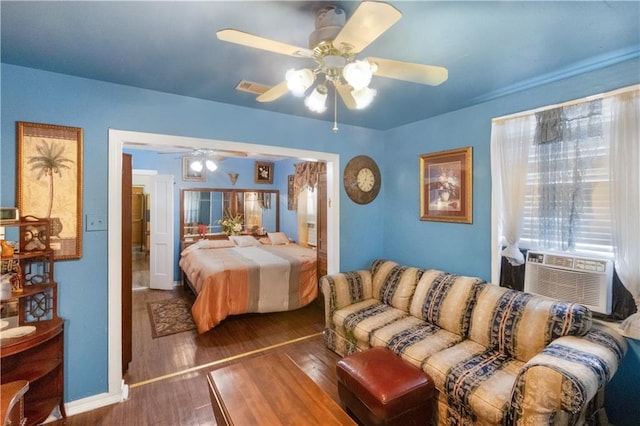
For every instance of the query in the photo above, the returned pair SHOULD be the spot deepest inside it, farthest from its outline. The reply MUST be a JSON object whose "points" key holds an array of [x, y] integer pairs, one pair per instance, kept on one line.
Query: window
{"points": [[566, 178], [566, 203]]}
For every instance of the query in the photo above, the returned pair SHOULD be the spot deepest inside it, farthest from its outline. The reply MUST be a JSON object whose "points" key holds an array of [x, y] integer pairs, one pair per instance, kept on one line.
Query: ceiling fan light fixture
{"points": [[363, 97], [211, 166], [298, 81], [358, 74], [317, 100], [196, 166]]}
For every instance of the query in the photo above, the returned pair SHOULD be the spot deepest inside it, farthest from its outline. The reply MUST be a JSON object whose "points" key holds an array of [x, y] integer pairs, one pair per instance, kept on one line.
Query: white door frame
{"points": [[118, 139]]}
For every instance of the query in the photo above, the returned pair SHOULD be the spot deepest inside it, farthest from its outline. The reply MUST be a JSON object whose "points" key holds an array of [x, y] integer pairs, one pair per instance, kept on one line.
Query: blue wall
{"points": [[43, 97], [466, 249], [388, 227]]}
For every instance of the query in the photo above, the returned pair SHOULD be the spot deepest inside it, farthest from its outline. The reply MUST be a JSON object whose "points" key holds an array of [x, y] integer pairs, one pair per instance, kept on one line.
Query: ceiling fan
{"points": [[334, 46], [202, 157]]}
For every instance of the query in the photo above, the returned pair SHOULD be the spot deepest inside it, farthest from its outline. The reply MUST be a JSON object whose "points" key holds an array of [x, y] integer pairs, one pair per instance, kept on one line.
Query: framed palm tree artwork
{"points": [[49, 182]]}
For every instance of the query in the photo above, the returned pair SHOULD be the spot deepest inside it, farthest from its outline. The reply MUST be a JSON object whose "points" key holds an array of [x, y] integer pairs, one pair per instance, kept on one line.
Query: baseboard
{"points": [[92, 402]]}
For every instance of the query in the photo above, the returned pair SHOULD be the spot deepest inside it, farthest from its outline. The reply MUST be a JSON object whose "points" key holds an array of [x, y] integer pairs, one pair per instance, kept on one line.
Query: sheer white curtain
{"points": [[625, 196], [192, 207], [510, 142]]}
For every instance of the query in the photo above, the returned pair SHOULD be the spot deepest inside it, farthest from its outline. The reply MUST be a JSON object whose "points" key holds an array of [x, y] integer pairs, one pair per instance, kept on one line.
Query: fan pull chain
{"points": [[335, 109]]}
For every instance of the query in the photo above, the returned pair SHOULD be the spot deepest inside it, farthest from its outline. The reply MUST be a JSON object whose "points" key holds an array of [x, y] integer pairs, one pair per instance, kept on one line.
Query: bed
{"points": [[244, 276]]}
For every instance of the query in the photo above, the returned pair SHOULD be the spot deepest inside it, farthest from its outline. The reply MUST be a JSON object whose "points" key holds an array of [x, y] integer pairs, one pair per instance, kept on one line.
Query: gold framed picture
{"points": [[446, 186], [49, 182], [263, 172], [191, 174]]}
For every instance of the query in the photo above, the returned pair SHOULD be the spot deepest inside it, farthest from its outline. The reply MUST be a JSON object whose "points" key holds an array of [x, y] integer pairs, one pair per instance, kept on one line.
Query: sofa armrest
{"points": [[344, 289], [566, 375]]}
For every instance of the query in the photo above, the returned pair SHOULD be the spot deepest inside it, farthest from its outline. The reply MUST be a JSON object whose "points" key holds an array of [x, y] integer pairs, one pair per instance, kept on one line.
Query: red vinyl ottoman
{"points": [[380, 388]]}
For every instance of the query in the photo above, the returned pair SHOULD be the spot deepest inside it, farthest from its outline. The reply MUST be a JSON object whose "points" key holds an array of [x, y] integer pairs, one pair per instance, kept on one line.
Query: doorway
{"points": [[140, 228], [118, 139]]}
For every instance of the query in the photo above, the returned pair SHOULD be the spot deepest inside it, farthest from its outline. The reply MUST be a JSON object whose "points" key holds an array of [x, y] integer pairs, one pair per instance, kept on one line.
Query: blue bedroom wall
{"points": [[43, 97], [466, 249], [171, 164]]}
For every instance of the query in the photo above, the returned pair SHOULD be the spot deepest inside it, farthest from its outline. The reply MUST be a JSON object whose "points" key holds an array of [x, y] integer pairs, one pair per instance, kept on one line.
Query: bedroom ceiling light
{"points": [[198, 165], [211, 166]]}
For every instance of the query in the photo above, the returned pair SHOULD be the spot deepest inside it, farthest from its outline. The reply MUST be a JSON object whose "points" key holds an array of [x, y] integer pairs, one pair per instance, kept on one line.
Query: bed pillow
{"points": [[208, 244], [244, 240], [213, 244], [265, 240], [278, 238]]}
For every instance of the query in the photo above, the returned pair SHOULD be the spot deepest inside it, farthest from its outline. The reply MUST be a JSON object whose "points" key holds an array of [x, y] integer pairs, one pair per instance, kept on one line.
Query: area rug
{"points": [[170, 316]]}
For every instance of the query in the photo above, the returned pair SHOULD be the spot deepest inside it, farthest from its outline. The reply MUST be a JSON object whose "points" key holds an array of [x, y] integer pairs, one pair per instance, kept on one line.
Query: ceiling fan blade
{"points": [[345, 94], [417, 73], [250, 40], [366, 24], [274, 93]]}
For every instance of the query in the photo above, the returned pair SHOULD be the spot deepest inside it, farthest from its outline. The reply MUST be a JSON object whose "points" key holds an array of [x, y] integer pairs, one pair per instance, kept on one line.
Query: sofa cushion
{"points": [[521, 324], [356, 322], [445, 300], [394, 284], [475, 381], [413, 339], [346, 288]]}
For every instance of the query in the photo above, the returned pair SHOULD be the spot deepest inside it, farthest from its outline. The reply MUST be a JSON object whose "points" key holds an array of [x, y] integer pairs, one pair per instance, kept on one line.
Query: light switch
{"points": [[96, 222]]}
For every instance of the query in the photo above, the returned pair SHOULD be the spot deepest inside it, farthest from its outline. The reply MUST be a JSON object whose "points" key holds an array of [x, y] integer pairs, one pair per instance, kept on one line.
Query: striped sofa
{"points": [[497, 356]]}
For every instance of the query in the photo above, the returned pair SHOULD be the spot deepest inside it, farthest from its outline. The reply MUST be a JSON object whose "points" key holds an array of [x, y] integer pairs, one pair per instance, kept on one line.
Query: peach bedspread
{"points": [[239, 280]]}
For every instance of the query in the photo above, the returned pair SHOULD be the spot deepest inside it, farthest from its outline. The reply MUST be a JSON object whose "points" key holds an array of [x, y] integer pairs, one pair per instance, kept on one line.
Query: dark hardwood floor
{"points": [[167, 376]]}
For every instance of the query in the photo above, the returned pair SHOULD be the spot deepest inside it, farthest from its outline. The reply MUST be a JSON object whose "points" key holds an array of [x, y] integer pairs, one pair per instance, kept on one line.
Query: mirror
{"points": [[203, 207]]}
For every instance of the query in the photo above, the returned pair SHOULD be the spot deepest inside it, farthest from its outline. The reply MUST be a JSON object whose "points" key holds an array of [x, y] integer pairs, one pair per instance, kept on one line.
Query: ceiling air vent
{"points": [[251, 87]]}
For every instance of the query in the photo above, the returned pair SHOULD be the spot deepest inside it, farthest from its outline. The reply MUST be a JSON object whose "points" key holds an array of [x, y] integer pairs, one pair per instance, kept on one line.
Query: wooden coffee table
{"points": [[270, 390]]}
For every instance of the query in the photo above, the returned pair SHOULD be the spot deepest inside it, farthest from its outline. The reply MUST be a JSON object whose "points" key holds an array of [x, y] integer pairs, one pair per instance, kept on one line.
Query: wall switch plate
{"points": [[96, 222]]}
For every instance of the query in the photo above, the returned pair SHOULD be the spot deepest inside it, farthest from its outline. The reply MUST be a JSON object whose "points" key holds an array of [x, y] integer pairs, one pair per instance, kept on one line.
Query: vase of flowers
{"points": [[232, 225]]}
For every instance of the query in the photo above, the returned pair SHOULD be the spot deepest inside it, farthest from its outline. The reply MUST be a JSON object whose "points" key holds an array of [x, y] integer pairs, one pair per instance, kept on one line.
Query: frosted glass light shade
{"points": [[358, 74], [196, 166], [211, 166], [317, 100], [363, 97], [298, 81]]}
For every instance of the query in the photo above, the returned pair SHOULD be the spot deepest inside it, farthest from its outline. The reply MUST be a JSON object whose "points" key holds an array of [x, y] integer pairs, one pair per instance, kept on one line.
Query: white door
{"points": [[161, 233]]}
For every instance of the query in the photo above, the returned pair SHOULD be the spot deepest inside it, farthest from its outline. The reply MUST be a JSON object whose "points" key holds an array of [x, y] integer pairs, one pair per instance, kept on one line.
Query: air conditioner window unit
{"points": [[578, 279]]}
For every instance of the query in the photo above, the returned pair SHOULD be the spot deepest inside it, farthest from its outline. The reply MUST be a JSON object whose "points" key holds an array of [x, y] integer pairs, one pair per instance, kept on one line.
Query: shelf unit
{"points": [[37, 357]]}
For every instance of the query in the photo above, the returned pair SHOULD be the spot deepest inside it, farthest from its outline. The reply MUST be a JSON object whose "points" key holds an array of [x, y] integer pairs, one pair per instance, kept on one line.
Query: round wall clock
{"points": [[362, 179]]}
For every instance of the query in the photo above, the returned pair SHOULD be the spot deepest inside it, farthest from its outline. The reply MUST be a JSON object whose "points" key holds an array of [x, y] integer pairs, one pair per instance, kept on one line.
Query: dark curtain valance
{"points": [[572, 122], [306, 174]]}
